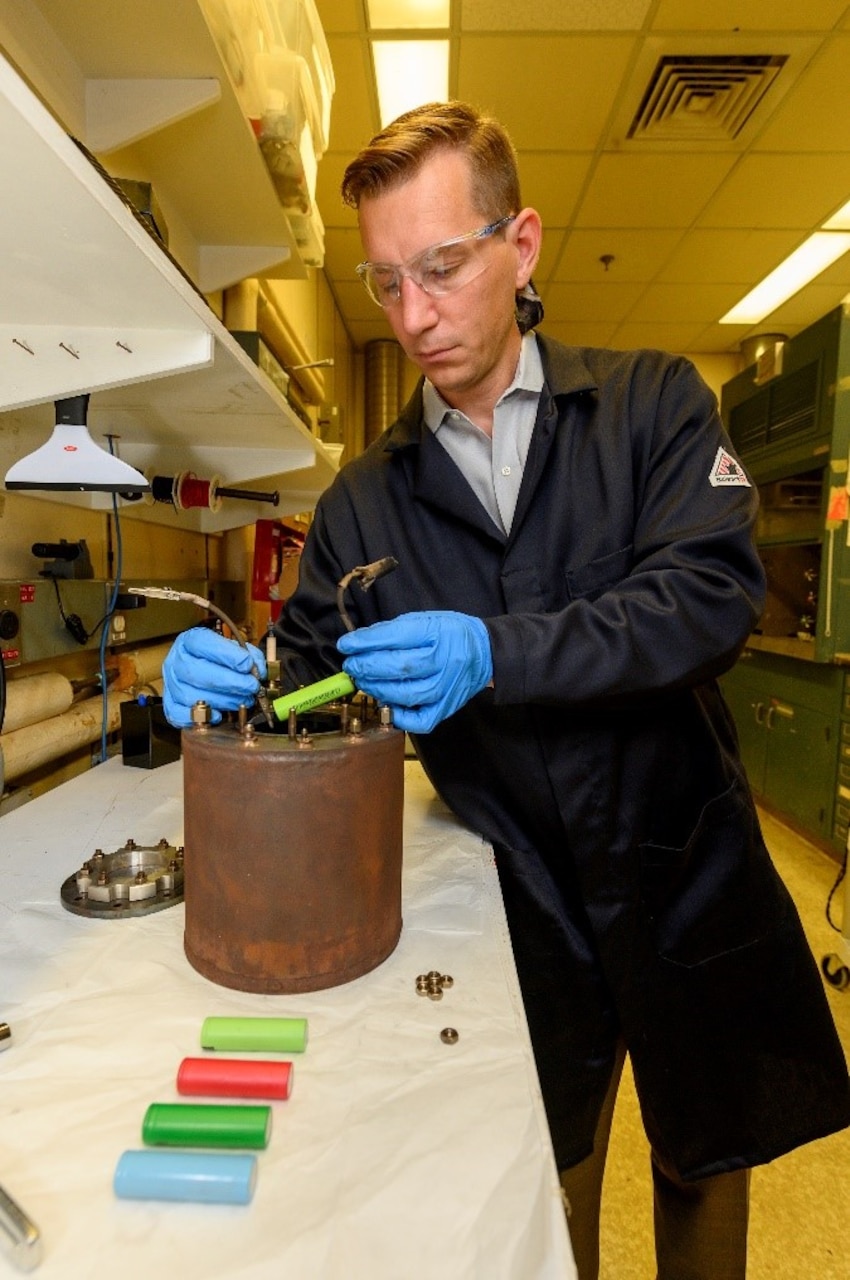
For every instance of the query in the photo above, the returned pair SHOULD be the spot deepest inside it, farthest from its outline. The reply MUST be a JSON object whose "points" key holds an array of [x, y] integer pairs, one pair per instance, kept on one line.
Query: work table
{"points": [[396, 1156]]}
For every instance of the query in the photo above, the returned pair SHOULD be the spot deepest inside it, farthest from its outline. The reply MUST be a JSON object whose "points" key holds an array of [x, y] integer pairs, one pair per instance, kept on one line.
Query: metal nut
{"points": [[449, 1036]]}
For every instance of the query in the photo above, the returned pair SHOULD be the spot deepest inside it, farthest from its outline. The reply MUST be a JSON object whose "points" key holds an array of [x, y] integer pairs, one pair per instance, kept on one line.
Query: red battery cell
{"points": [[234, 1078]]}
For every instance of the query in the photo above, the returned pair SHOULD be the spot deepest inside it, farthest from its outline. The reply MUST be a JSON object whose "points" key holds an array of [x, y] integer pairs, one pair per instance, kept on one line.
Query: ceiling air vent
{"points": [[703, 98]]}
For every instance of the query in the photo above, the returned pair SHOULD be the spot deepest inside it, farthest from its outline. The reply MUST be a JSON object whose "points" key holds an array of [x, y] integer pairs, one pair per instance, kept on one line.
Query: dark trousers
{"points": [[700, 1227]]}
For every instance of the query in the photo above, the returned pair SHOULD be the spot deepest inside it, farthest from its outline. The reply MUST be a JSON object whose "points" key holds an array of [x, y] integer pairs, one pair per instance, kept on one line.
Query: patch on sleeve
{"points": [[727, 470]]}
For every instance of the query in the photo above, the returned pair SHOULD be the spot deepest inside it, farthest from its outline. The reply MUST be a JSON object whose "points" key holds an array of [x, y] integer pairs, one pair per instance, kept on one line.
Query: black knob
{"points": [[9, 624]]}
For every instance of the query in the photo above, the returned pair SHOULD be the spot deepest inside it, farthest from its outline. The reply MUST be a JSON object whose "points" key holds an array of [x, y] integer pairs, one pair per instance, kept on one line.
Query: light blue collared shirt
{"points": [[493, 466]]}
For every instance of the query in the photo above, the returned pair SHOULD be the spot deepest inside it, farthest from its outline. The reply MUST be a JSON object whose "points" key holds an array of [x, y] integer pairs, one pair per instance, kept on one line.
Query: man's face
{"points": [[467, 341]]}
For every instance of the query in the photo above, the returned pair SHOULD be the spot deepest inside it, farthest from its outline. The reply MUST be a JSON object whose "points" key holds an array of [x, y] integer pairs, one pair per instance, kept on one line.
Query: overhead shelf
{"points": [[92, 303], [152, 75]]}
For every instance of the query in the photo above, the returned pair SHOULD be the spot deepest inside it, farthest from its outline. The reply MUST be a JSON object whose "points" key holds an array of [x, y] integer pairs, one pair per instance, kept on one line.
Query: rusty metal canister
{"points": [[292, 855]]}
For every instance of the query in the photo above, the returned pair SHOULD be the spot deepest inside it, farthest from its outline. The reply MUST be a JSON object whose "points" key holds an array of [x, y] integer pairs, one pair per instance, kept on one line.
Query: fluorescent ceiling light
{"points": [[813, 256], [408, 73], [408, 15], [70, 461]]}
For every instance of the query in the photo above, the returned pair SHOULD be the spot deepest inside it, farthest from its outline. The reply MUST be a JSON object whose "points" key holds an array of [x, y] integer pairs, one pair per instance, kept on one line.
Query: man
{"points": [[575, 569]]}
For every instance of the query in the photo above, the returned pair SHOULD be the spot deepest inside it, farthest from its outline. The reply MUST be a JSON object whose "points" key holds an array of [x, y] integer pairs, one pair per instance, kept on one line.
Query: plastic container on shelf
{"points": [[282, 77], [278, 60], [294, 25], [287, 148], [235, 26]]}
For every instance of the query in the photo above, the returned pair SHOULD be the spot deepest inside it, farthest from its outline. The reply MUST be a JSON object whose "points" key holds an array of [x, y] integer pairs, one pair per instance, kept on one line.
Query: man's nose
{"points": [[416, 307]]}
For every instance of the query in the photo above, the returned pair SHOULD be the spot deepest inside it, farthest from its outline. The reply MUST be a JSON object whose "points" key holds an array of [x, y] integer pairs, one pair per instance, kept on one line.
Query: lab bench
{"points": [[397, 1154]]}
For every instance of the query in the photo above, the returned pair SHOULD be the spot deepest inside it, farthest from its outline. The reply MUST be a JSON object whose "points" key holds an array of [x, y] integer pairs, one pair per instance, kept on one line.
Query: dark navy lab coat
{"points": [[603, 764]]}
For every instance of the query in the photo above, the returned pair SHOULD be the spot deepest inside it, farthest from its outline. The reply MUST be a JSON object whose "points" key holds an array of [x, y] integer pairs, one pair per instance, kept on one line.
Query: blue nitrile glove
{"points": [[425, 666], [202, 665]]}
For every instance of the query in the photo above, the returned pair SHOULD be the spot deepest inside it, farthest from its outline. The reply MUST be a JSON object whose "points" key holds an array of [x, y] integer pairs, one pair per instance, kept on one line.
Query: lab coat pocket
{"points": [[715, 894], [589, 581]]}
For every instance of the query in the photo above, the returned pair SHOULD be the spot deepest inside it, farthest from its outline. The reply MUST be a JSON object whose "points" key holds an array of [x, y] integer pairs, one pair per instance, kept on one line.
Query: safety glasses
{"points": [[442, 268]]}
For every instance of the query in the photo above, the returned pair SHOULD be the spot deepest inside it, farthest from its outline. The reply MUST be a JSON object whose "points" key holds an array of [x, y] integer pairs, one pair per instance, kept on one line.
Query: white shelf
{"points": [[90, 302], [152, 75]]}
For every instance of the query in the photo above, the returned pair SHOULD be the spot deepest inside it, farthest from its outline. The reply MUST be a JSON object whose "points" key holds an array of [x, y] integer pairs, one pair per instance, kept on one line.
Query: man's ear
{"points": [[527, 235]]}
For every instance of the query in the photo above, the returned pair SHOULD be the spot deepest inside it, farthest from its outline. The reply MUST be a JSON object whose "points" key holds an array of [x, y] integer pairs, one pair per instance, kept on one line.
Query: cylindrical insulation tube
{"points": [[204, 1177], [255, 1035], [234, 1078], [34, 698], [34, 745], [205, 1124], [138, 667]]}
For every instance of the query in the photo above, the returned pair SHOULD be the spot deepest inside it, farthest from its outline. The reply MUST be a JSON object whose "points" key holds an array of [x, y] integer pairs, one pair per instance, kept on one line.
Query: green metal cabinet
{"points": [[788, 717], [787, 694]]}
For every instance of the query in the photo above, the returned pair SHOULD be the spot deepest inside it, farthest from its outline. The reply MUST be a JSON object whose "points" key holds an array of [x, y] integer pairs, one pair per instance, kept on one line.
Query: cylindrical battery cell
{"points": [[257, 1035], [204, 1124], [234, 1078], [202, 1176]]}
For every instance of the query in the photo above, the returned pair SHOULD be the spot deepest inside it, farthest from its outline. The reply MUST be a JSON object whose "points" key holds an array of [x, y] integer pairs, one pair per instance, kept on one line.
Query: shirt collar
{"points": [[528, 377]]}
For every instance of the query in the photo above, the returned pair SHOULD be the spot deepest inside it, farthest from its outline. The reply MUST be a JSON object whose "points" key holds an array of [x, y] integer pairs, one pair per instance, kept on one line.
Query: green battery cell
{"points": [[313, 695], [260, 1035], [201, 1124]]}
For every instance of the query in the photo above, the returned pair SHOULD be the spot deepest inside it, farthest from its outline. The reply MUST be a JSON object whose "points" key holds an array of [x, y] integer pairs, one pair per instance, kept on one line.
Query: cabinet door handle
{"points": [[782, 709], [768, 720], [759, 712]]}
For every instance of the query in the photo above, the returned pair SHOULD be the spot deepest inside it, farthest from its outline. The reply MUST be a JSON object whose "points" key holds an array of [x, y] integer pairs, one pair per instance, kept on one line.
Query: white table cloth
{"points": [[397, 1157]]}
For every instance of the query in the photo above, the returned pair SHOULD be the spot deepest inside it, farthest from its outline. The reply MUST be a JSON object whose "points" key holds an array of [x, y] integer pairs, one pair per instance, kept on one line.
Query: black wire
{"points": [[2, 690], [74, 623], [113, 600], [833, 891]]}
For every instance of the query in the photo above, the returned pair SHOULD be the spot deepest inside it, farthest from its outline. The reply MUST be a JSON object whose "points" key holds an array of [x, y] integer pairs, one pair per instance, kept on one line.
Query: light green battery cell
{"points": [[313, 695], [199, 1124], [260, 1035]]}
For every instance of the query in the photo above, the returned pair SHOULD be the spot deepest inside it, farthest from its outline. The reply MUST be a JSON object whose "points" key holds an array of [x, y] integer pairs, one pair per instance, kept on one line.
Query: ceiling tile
{"points": [[780, 191], [553, 15], [611, 301], [733, 15], [575, 83], [838, 273], [699, 302], [354, 115], [553, 240], [728, 254], [661, 337], [552, 182], [340, 15], [638, 255], [651, 190], [816, 114]]}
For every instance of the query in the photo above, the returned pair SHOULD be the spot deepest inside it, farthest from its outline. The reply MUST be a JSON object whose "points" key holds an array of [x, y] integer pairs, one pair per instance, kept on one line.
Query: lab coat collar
{"points": [[565, 374]]}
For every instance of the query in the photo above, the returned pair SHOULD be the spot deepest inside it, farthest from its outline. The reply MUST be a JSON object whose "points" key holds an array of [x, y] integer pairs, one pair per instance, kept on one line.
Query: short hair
{"points": [[398, 151]]}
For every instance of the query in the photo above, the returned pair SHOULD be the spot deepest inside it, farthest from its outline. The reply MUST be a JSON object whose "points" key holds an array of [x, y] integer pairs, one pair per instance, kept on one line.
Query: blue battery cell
{"points": [[203, 1177]]}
